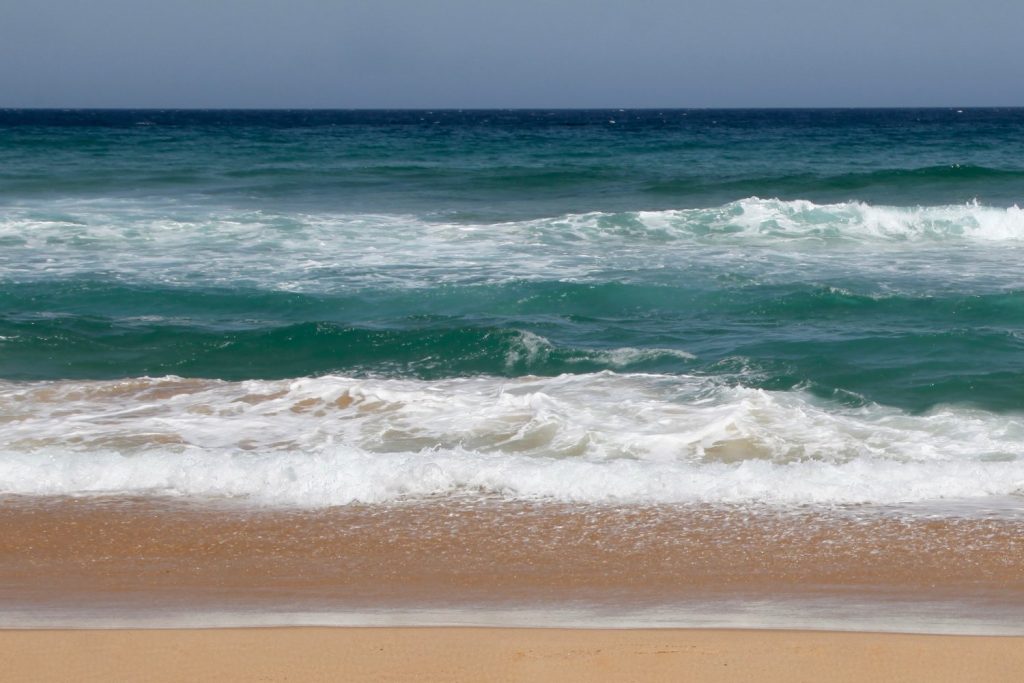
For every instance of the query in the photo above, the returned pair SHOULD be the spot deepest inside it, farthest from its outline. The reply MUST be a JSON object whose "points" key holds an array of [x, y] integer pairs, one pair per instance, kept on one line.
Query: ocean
{"points": [[408, 322]]}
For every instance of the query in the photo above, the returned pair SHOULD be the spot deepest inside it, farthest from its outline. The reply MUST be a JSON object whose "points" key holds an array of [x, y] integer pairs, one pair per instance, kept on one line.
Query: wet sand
{"points": [[437, 654], [153, 555]]}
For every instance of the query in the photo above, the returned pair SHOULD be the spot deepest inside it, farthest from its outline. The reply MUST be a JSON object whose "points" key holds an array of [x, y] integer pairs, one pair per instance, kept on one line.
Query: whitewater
{"points": [[583, 438]]}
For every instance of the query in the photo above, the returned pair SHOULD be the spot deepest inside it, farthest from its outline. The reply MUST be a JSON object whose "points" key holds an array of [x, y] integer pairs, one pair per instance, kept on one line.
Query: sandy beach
{"points": [[130, 564], [476, 654]]}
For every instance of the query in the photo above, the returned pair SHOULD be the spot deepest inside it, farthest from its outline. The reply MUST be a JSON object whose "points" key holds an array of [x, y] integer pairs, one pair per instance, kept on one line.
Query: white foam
{"points": [[774, 219], [627, 355], [183, 244], [857, 221], [530, 349], [602, 437]]}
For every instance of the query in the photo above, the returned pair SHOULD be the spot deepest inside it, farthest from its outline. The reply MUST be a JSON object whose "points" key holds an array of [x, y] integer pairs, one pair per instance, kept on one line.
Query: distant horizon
{"points": [[487, 109]]}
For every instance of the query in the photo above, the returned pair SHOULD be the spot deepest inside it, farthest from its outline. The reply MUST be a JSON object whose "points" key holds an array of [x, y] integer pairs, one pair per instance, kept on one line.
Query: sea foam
{"points": [[316, 252], [602, 437]]}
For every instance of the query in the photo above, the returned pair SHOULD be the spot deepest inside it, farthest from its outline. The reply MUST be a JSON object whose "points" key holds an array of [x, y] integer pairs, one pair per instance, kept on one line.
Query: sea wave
{"points": [[601, 437], [180, 244], [84, 347], [756, 221], [161, 224]]}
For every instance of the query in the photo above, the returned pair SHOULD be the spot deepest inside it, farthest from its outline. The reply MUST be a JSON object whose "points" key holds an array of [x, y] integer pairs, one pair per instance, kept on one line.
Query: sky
{"points": [[526, 53]]}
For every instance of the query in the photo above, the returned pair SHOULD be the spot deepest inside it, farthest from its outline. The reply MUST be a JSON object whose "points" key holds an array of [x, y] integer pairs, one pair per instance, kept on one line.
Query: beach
{"points": [[580, 588], [473, 654], [512, 394]]}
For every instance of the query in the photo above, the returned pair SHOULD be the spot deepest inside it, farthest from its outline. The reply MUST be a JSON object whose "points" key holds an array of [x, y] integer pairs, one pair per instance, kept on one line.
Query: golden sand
{"points": [[449, 654]]}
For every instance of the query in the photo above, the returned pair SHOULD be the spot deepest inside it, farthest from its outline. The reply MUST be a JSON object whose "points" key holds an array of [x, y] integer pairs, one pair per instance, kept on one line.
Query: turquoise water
{"points": [[852, 266]]}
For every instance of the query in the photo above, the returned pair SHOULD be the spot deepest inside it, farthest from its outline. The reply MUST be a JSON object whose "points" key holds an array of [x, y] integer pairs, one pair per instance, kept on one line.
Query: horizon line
{"points": [[507, 109]]}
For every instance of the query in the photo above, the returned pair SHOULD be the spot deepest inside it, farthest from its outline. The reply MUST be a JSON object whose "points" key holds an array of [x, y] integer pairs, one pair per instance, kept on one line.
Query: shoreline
{"points": [[456, 654], [849, 614], [164, 563]]}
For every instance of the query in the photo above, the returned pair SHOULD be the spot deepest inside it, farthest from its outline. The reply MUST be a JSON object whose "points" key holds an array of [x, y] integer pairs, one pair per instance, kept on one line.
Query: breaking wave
{"points": [[596, 438]]}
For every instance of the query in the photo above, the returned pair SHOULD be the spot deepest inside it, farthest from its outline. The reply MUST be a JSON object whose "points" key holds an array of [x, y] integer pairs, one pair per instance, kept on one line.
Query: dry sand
{"points": [[493, 654]]}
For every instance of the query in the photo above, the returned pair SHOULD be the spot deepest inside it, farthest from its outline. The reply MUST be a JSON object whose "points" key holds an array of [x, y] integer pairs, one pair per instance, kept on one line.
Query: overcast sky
{"points": [[526, 53]]}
